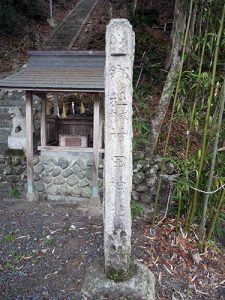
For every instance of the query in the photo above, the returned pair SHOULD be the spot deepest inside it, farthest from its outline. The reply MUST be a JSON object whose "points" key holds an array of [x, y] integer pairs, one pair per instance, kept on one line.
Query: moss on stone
{"points": [[120, 275], [15, 152]]}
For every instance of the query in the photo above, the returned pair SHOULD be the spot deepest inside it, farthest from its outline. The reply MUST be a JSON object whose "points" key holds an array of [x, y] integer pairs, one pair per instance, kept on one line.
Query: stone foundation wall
{"points": [[146, 174], [65, 178], [13, 178], [70, 178]]}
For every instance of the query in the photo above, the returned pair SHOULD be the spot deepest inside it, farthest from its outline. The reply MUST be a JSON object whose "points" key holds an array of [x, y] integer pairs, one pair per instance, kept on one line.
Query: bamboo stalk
{"points": [[209, 185], [194, 107], [204, 139], [216, 214]]}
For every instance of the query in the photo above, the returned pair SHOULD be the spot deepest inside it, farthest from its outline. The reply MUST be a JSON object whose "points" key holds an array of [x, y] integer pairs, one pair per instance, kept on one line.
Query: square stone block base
{"points": [[141, 286], [17, 142]]}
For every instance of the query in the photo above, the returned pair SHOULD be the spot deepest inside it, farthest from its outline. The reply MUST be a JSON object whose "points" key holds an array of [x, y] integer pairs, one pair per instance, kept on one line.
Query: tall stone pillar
{"points": [[120, 44], [117, 276]]}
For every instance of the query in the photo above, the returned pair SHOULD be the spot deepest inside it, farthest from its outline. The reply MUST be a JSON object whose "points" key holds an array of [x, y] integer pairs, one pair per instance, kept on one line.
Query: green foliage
{"points": [[146, 16], [15, 193], [9, 237], [136, 209], [119, 276], [141, 128], [14, 14]]}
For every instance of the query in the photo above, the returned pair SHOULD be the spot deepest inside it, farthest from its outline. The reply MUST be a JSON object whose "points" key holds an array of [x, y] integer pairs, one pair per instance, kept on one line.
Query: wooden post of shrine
{"points": [[96, 144], [43, 121], [29, 130]]}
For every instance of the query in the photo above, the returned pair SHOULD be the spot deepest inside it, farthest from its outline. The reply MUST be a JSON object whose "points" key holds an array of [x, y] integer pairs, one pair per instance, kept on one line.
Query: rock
{"points": [[49, 168], [146, 166], [86, 192], [100, 183], [81, 164], [90, 163], [62, 189], [96, 285], [100, 173], [54, 161], [89, 174], [35, 161], [39, 186], [36, 177], [2, 178], [8, 170], [146, 198], [2, 159], [138, 178], [153, 190], [46, 178], [152, 171], [72, 180], [18, 170], [39, 168], [72, 163], [135, 195], [169, 168], [56, 172], [138, 155], [74, 190], [51, 189], [137, 166], [59, 180], [44, 160], [141, 188], [8, 160], [66, 173], [63, 163], [13, 178], [151, 181], [78, 172], [5, 187], [84, 182], [101, 192], [16, 161]]}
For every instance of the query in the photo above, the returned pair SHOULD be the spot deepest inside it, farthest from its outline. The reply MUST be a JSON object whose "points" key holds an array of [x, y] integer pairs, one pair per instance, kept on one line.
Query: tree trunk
{"points": [[134, 7], [173, 64]]}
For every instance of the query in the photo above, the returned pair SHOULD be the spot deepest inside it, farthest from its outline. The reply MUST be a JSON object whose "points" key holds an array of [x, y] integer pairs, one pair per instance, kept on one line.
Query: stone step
{"points": [[71, 26]]}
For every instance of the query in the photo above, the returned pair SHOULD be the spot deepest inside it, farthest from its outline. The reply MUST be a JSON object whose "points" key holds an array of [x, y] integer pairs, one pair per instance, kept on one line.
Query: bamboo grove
{"points": [[199, 96]]}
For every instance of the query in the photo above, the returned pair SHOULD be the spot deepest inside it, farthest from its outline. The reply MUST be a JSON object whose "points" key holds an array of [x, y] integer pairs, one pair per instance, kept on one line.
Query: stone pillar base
{"points": [[95, 201], [141, 286], [32, 197]]}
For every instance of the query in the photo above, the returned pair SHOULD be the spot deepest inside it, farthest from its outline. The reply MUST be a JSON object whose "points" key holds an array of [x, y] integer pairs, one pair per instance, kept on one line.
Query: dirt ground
{"points": [[45, 249]]}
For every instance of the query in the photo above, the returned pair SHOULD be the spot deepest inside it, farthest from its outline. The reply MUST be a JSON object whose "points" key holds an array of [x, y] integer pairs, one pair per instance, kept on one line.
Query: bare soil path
{"points": [[45, 249]]}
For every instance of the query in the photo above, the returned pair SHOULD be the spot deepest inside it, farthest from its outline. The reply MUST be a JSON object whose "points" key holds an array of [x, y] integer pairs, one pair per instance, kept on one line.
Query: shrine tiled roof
{"points": [[59, 71]]}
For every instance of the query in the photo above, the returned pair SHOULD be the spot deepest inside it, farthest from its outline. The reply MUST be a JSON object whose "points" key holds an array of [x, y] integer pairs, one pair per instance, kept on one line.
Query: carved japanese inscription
{"points": [[118, 145]]}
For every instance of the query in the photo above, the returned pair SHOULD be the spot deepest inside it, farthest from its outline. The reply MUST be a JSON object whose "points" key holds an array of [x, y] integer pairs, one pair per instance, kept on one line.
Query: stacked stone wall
{"points": [[13, 178], [146, 176], [65, 178], [68, 179]]}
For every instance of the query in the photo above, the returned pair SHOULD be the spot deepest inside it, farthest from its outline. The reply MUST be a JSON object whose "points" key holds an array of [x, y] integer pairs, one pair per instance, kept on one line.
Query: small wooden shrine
{"points": [[71, 87]]}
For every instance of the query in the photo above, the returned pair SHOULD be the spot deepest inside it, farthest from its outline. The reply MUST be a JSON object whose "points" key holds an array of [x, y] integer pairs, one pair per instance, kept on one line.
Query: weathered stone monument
{"points": [[118, 276]]}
